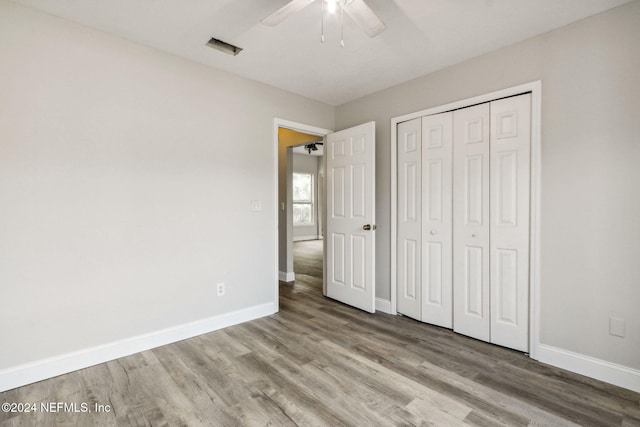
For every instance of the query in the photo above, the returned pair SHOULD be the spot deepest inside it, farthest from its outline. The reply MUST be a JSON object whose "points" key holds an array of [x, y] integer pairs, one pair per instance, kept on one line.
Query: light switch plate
{"points": [[256, 206]]}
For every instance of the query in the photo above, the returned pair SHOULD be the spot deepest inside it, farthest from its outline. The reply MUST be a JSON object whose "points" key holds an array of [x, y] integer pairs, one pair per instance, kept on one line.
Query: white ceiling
{"points": [[422, 36]]}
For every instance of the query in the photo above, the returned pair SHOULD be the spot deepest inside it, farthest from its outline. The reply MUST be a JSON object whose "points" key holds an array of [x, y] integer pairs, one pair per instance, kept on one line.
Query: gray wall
{"points": [[590, 239], [126, 176]]}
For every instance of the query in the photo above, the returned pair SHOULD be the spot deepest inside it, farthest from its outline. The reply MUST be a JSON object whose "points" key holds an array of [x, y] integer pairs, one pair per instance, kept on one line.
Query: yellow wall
{"points": [[288, 137]]}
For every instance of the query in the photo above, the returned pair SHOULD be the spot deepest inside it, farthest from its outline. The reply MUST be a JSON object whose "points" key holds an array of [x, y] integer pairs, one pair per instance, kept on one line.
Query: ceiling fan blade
{"points": [[365, 18], [288, 9]]}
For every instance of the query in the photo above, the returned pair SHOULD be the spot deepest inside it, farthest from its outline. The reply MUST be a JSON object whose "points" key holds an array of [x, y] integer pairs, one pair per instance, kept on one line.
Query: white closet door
{"points": [[471, 277], [510, 171], [437, 286], [409, 217]]}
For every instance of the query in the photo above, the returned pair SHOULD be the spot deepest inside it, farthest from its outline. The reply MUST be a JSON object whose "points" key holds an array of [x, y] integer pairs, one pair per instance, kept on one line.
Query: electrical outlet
{"points": [[616, 326], [220, 289]]}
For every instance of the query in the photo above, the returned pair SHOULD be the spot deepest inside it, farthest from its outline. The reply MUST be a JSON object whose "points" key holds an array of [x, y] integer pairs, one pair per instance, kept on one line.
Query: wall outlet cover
{"points": [[616, 326]]}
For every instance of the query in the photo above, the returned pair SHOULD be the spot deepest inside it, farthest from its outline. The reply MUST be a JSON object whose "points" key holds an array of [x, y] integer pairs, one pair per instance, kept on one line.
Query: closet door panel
{"points": [[510, 198], [437, 296], [409, 218], [471, 231]]}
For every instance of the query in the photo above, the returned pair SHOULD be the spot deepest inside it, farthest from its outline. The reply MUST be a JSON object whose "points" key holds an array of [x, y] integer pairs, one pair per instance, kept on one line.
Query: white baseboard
{"points": [[47, 368], [602, 370], [383, 305], [301, 238], [286, 276]]}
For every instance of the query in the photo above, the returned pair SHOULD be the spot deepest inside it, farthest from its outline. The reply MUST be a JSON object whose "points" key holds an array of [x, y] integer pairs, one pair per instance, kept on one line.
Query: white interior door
{"points": [[350, 241], [437, 139], [510, 181], [409, 218], [471, 274]]}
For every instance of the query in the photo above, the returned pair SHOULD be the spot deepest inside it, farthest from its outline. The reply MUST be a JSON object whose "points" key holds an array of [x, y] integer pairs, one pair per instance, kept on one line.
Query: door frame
{"points": [[535, 88], [299, 127]]}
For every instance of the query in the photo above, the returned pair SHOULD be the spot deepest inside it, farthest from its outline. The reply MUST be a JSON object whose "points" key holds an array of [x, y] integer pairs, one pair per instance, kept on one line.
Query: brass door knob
{"points": [[368, 227]]}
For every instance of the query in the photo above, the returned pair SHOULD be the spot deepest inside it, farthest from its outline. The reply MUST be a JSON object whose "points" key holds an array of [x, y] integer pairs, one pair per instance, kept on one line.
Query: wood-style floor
{"points": [[318, 362]]}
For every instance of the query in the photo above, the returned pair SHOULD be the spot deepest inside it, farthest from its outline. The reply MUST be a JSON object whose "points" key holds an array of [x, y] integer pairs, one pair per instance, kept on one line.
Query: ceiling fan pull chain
{"points": [[322, 21], [342, 24]]}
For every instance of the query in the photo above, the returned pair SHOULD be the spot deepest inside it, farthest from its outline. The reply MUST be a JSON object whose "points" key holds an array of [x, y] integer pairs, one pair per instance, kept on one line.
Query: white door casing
{"points": [[510, 189], [471, 267], [350, 256], [409, 218], [437, 139]]}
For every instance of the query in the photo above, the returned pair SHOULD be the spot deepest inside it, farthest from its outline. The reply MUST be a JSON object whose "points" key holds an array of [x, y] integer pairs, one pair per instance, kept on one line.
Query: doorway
{"points": [[307, 184], [287, 135], [349, 250]]}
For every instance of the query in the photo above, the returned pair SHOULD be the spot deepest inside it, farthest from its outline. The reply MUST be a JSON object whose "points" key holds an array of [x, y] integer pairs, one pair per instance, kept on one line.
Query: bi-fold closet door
{"points": [[463, 220], [425, 219]]}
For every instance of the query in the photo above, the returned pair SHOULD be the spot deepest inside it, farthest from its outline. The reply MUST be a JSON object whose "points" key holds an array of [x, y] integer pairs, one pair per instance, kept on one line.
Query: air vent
{"points": [[224, 46]]}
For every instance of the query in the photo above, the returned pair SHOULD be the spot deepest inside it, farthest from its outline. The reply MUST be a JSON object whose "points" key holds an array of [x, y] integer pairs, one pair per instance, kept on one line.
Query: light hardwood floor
{"points": [[318, 362]]}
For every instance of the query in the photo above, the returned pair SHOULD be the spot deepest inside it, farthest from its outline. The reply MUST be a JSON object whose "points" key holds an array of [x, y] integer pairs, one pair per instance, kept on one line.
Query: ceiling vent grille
{"points": [[224, 46]]}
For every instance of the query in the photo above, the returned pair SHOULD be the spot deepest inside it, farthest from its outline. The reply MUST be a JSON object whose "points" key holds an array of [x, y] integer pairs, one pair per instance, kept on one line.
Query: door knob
{"points": [[433, 232], [368, 227]]}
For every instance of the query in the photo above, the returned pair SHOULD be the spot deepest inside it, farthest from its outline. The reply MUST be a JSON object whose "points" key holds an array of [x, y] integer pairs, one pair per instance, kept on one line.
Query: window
{"points": [[303, 199]]}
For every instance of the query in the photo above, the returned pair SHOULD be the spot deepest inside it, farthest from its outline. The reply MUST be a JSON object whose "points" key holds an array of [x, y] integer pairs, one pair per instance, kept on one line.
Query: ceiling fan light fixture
{"points": [[332, 6], [358, 11], [313, 146]]}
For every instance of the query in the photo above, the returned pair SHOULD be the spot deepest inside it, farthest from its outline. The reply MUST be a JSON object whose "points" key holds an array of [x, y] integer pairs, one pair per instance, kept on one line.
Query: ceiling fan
{"points": [[313, 146], [358, 10]]}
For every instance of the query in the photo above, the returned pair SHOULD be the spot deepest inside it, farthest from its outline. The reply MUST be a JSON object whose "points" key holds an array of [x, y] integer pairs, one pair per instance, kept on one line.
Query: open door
{"points": [[350, 227]]}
